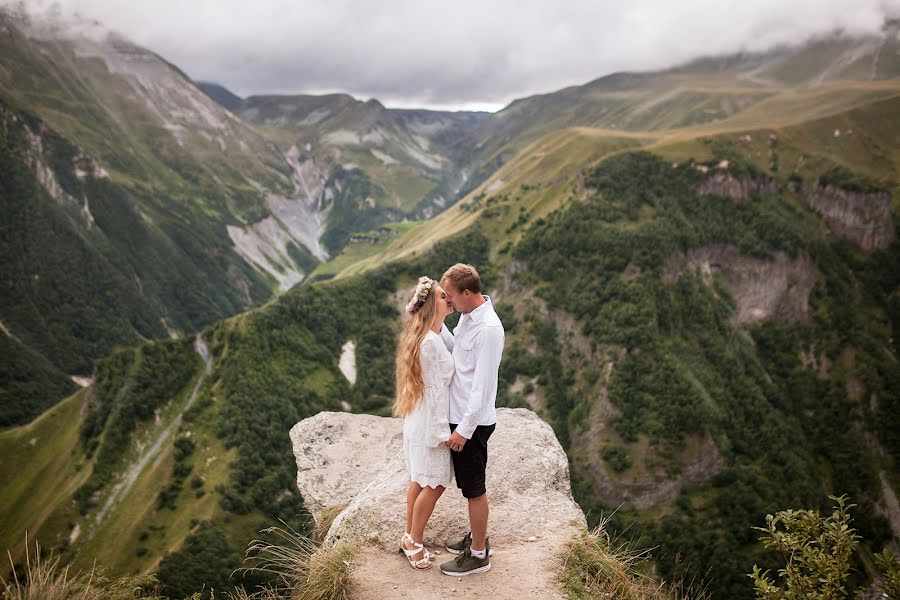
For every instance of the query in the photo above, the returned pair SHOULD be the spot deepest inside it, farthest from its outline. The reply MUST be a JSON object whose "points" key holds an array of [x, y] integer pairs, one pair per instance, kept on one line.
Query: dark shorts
{"points": [[470, 462]]}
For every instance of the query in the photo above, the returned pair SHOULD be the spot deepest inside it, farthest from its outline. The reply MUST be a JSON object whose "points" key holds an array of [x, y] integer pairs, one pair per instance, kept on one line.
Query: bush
{"points": [[816, 552], [890, 570], [205, 561], [617, 457]]}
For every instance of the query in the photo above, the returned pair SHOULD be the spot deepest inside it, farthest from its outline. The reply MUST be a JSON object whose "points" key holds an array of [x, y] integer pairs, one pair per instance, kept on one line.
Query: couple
{"points": [[446, 391]]}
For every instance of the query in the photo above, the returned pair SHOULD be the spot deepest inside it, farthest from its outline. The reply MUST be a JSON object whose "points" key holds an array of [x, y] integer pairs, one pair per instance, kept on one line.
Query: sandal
{"points": [[428, 554], [421, 564]]}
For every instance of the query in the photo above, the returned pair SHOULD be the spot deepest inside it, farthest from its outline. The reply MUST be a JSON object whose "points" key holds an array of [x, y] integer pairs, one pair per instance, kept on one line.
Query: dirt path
{"points": [[519, 570]]}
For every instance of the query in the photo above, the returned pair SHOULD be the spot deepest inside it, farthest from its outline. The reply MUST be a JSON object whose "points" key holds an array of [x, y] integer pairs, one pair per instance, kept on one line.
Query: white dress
{"points": [[427, 427]]}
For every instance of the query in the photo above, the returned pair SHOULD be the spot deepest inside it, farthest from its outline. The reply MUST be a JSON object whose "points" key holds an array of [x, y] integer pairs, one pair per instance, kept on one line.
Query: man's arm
{"points": [[488, 349]]}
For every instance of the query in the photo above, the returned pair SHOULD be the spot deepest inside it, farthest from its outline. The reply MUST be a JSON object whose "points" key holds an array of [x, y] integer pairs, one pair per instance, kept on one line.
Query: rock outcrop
{"points": [[764, 289], [357, 461], [728, 186], [863, 218]]}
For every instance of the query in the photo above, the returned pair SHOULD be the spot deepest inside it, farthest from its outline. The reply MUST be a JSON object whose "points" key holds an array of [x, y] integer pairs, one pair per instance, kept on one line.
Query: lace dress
{"points": [[428, 426]]}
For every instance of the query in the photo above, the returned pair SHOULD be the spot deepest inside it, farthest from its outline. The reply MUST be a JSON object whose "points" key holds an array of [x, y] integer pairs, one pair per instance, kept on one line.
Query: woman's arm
{"points": [[437, 418], [447, 337]]}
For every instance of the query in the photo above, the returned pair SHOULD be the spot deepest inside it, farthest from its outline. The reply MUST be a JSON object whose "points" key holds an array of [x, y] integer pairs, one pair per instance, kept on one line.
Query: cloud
{"points": [[467, 53]]}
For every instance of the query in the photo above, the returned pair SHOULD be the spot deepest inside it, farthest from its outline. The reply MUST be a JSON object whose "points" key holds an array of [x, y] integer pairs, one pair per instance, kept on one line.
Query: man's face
{"points": [[458, 300]]}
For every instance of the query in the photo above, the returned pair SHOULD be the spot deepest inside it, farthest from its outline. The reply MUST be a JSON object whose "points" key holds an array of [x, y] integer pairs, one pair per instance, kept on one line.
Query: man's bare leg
{"points": [[478, 518]]}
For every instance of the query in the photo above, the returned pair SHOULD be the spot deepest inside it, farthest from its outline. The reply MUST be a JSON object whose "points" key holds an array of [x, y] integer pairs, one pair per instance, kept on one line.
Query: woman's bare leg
{"points": [[422, 510], [412, 492]]}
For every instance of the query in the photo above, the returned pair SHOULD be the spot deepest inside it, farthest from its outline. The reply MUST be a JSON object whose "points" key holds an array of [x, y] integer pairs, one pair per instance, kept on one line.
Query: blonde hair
{"points": [[410, 385], [464, 277]]}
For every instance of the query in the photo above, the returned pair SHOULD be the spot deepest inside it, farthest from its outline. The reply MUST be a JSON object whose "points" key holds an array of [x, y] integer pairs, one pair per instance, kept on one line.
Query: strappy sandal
{"points": [[421, 564]]}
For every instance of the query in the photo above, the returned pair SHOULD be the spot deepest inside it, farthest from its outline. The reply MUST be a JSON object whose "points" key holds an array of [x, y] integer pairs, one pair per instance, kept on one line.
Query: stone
{"points": [[726, 185], [776, 289], [358, 460], [863, 218]]}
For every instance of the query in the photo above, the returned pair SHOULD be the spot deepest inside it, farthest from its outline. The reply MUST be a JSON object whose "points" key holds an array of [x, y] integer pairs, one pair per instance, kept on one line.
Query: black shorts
{"points": [[470, 462]]}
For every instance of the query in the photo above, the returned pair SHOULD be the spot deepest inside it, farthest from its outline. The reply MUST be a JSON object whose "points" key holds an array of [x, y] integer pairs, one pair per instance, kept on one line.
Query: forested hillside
{"points": [[698, 271]]}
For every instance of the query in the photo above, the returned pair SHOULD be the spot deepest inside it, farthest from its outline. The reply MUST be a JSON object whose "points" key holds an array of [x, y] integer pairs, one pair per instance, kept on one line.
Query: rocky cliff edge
{"points": [[356, 461]]}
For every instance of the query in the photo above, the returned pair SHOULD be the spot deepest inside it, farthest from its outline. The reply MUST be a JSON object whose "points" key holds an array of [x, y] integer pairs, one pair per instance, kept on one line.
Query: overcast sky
{"points": [[462, 54]]}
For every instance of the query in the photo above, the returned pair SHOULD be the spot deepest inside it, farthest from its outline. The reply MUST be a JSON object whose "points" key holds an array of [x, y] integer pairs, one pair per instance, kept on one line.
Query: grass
{"points": [[44, 578], [365, 246], [305, 570], [326, 518], [42, 465], [136, 533], [599, 566], [135, 522]]}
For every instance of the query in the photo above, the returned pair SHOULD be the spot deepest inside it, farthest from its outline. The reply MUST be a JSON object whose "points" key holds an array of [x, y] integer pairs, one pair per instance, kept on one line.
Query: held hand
{"points": [[456, 442]]}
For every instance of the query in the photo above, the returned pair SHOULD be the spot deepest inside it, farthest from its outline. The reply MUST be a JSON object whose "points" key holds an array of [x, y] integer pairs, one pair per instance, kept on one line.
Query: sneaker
{"points": [[466, 564], [459, 546]]}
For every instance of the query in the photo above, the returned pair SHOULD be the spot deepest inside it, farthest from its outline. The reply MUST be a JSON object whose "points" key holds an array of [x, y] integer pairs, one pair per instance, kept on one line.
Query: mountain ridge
{"points": [[626, 264]]}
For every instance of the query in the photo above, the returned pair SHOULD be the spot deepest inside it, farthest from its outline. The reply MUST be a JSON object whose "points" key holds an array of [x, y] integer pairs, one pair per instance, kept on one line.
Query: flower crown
{"points": [[423, 288]]}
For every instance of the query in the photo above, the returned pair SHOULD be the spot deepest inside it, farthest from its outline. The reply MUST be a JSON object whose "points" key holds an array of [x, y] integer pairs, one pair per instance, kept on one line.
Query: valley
{"points": [[697, 268]]}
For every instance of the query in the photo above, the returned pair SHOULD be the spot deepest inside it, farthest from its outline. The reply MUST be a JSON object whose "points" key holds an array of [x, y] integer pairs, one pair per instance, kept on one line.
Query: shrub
{"points": [[816, 552], [617, 457], [890, 575]]}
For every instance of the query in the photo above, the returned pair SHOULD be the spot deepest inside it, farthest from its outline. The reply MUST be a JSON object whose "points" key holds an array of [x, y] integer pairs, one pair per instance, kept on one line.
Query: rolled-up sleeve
{"points": [[488, 348]]}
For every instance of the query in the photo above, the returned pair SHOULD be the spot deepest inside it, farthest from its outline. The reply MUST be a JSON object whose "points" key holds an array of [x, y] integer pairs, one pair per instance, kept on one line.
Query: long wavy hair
{"points": [[410, 385]]}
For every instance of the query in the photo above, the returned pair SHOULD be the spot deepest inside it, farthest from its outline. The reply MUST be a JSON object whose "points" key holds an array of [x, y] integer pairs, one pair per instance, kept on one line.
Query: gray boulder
{"points": [[357, 461]]}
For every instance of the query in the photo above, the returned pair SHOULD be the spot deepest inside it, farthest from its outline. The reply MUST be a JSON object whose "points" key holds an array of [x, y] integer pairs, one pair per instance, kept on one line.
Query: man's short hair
{"points": [[464, 277]]}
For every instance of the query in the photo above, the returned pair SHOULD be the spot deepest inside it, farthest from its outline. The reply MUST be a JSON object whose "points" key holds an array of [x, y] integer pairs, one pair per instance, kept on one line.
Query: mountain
{"points": [[139, 208], [121, 182], [698, 280], [222, 95], [706, 316], [375, 164]]}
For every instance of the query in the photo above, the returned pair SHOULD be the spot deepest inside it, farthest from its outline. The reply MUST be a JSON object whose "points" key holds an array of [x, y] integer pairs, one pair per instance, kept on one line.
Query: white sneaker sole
{"points": [[483, 569]]}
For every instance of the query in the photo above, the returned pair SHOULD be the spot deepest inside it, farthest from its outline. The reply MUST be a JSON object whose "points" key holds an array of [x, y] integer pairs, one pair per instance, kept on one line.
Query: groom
{"points": [[477, 345]]}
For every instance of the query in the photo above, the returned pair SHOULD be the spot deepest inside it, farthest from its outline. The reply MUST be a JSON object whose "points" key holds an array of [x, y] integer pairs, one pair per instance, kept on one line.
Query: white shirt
{"points": [[476, 345]]}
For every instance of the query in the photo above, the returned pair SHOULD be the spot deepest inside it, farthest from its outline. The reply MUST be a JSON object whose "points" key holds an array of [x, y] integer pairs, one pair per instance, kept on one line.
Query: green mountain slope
{"points": [[138, 208], [703, 304], [701, 324], [692, 330], [693, 397]]}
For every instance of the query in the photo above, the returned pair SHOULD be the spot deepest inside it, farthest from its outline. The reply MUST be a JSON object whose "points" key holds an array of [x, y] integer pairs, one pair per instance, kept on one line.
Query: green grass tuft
{"points": [[45, 579], [305, 570], [600, 566]]}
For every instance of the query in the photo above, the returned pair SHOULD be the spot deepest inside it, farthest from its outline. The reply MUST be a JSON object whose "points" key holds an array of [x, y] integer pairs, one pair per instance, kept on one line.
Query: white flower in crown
{"points": [[423, 288]]}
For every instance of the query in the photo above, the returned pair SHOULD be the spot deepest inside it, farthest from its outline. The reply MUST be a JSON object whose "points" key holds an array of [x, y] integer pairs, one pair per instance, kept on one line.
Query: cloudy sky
{"points": [[461, 54]]}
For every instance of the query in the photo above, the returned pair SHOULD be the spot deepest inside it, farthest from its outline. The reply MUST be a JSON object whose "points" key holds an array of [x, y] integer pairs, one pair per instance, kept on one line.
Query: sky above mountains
{"points": [[455, 55]]}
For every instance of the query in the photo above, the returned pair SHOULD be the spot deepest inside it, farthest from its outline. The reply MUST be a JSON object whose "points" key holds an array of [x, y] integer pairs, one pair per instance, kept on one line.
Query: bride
{"points": [[424, 370]]}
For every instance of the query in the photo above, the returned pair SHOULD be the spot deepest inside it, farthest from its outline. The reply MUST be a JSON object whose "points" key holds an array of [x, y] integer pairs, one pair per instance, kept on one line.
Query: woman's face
{"points": [[443, 307]]}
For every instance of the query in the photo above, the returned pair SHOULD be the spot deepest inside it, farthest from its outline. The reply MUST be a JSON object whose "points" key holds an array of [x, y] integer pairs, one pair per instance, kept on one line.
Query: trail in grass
{"points": [[122, 488]]}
